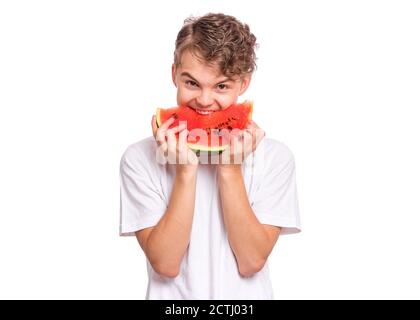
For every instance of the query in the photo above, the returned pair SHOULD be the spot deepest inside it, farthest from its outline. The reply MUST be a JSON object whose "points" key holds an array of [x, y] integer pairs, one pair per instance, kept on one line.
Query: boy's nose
{"points": [[205, 100]]}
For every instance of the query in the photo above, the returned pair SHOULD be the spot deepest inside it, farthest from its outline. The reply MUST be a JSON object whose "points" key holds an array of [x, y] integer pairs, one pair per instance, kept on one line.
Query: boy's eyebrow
{"points": [[189, 75]]}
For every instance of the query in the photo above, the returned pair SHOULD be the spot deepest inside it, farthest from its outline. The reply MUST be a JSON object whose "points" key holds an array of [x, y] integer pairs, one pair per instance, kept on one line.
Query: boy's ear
{"points": [[245, 81], [173, 73]]}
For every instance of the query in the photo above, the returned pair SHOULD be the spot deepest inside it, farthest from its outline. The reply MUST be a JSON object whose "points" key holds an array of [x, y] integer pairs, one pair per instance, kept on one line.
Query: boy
{"points": [[208, 229]]}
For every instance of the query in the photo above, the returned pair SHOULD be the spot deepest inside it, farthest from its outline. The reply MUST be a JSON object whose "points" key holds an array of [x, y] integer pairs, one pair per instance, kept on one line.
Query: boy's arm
{"points": [[250, 240], [166, 243]]}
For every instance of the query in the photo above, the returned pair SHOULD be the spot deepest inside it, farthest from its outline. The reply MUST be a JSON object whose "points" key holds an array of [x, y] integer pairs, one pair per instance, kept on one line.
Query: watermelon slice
{"points": [[208, 133]]}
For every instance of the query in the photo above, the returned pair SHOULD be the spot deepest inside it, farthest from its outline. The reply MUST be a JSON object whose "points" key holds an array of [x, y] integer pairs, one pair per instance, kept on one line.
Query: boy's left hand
{"points": [[242, 144]]}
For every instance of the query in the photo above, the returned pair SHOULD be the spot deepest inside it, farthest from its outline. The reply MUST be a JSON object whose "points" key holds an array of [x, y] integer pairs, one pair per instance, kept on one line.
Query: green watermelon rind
{"points": [[201, 148]]}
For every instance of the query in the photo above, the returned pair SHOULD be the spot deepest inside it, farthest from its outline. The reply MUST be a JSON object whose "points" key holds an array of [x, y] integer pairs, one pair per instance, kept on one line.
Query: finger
{"points": [[260, 134], [161, 154], [170, 137], [238, 143], [234, 138], [249, 135], [160, 132], [255, 124], [182, 141], [237, 150], [235, 132], [248, 141], [183, 134], [160, 136], [252, 125], [250, 128], [177, 129], [254, 140], [172, 145], [167, 123], [182, 147]]}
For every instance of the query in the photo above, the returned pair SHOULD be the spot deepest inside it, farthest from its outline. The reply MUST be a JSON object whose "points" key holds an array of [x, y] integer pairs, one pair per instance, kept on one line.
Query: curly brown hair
{"points": [[221, 39]]}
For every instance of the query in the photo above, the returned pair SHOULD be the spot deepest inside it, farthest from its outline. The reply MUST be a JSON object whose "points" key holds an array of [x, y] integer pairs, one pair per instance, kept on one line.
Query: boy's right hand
{"points": [[172, 150]]}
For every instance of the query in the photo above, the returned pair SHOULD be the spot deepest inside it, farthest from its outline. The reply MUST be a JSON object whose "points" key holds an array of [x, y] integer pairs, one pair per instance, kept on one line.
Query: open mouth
{"points": [[202, 112]]}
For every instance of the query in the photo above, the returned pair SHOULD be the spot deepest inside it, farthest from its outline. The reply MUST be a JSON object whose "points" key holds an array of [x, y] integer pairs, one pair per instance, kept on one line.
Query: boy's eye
{"points": [[222, 86], [191, 83]]}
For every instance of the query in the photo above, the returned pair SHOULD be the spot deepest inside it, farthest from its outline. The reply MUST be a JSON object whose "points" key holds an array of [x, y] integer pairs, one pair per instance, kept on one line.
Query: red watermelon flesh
{"points": [[213, 136]]}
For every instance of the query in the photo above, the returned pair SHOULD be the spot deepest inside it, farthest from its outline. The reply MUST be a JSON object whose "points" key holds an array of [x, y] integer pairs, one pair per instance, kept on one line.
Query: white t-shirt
{"points": [[208, 269]]}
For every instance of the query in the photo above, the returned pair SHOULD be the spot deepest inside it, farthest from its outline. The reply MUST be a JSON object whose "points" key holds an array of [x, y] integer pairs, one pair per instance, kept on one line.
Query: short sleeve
{"points": [[142, 203], [276, 201]]}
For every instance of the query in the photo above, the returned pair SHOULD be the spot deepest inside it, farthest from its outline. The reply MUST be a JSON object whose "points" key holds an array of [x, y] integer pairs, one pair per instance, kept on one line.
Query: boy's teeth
{"points": [[203, 112]]}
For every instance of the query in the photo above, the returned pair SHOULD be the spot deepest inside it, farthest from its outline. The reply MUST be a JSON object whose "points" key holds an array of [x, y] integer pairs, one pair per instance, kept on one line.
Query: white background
{"points": [[337, 81]]}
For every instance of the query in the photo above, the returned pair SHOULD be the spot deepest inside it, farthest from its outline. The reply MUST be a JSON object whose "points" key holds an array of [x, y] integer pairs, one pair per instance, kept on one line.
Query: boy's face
{"points": [[202, 87]]}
